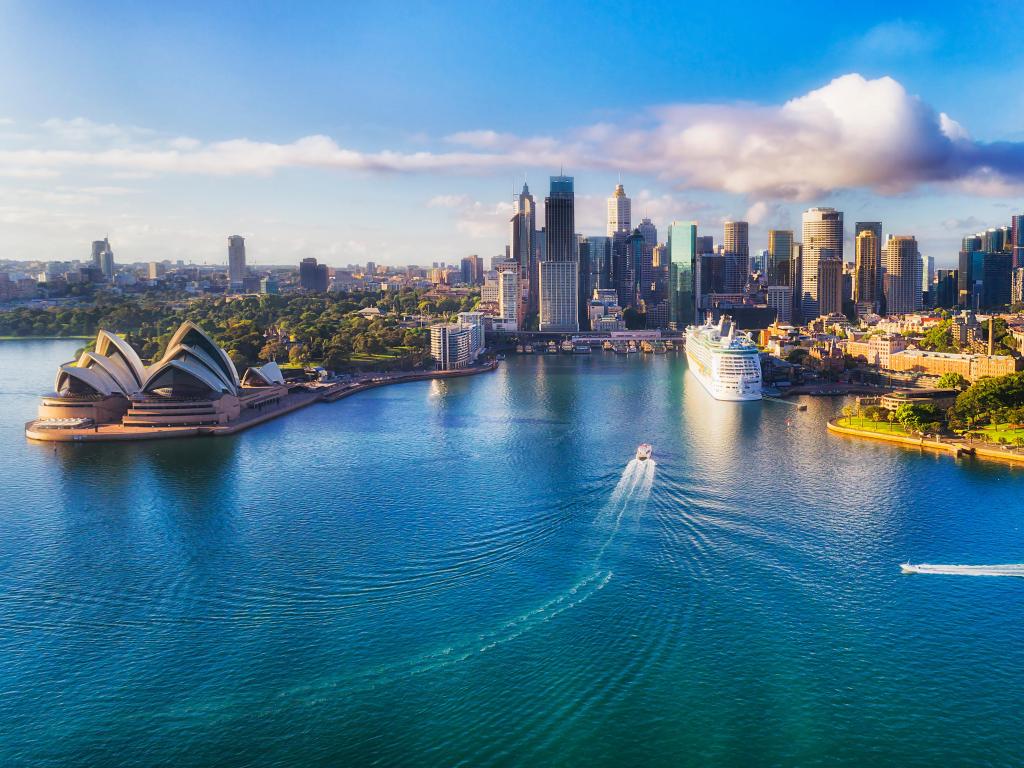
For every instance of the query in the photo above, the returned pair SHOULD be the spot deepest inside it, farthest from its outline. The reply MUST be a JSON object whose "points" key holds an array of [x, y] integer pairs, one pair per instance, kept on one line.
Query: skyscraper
{"points": [[472, 268], [1017, 240], [822, 238], [830, 285], [619, 228], [107, 260], [619, 214], [682, 248], [236, 261], [98, 246], [780, 251], [312, 276], [737, 239], [523, 243], [599, 252], [902, 275], [559, 272], [867, 284], [509, 295]]}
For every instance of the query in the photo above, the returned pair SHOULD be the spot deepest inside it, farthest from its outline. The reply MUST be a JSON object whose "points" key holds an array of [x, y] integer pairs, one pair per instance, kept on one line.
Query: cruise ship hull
{"points": [[720, 391], [726, 365]]}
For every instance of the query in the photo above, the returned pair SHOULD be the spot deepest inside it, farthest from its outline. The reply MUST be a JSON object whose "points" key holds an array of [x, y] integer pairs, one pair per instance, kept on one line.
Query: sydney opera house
{"points": [[194, 384]]}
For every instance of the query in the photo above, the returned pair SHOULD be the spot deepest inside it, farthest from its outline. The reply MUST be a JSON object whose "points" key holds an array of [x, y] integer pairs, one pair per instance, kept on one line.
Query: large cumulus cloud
{"points": [[850, 133]]}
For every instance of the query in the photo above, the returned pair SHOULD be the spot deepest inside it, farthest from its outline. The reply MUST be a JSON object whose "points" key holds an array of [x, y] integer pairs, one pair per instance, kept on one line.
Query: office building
{"points": [[236, 262], [822, 239], [780, 299], [946, 287], [997, 275], [902, 275], [559, 271], [868, 272], [472, 270], [313, 276], [524, 246], [682, 248], [737, 239], [829, 285], [780, 251], [269, 286]]}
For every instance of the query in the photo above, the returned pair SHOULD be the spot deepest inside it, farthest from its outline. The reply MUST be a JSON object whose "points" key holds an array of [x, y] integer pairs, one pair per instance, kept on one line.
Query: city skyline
{"points": [[166, 172]]}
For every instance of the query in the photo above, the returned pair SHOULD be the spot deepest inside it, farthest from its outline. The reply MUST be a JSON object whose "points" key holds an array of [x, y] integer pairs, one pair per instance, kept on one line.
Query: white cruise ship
{"points": [[726, 363]]}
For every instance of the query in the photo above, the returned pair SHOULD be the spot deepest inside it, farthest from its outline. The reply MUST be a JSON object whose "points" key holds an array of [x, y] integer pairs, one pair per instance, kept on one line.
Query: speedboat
{"points": [[643, 451], [908, 568]]}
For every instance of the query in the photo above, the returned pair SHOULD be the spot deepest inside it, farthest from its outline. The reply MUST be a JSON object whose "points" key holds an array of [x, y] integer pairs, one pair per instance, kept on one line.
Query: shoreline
{"points": [[293, 401], [955, 448]]}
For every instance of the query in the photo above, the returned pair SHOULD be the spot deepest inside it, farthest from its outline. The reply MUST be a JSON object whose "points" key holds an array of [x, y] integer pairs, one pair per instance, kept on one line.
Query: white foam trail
{"points": [[1016, 569]]}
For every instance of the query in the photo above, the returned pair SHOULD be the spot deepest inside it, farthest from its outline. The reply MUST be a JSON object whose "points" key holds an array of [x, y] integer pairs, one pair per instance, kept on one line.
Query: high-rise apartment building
{"points": [[682, 251], [902, 275], [236, 261], [510, 304], [559, 272], [780, 251], [822, 239]]}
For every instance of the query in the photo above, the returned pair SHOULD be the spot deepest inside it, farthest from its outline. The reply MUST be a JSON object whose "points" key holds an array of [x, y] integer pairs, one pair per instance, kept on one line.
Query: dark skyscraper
{"points": [[312, 276], [473, 270], [559, 271]]}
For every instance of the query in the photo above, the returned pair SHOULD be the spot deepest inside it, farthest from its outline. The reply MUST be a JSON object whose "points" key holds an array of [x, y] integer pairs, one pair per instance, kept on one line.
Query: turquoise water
{"points": [[473, 572]]}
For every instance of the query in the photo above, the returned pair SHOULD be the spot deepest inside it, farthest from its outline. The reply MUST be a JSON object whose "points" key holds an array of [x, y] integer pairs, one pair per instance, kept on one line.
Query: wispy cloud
{"points": [[897, 38], [851, 133]]}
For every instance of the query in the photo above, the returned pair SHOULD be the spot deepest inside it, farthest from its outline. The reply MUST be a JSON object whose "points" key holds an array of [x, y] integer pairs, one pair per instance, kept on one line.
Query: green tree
{"points": [[953, 380]]}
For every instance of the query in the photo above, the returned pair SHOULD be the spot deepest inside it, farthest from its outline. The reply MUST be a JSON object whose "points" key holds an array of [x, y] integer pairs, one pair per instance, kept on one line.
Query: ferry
{"points": [[646, 346], [528, 349], [519, 348], [567, 346], [631, 348], [552, 348], [607, 345], [643, 451], [669, 344], [726, 363], [580, 348]]}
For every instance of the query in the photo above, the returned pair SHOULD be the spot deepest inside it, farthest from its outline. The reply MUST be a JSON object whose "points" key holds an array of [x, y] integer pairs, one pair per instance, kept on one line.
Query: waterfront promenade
{"points": [[300, 397], [954, 446]]}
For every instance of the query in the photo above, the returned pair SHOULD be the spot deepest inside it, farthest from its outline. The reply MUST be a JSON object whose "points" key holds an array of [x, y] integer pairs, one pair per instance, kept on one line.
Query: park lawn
{"points": [[995, 431], [871, 426]]}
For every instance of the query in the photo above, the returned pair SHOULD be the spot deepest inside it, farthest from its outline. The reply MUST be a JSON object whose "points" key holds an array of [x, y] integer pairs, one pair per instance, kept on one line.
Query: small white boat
{"points": [[907, 568], [643, 451]]}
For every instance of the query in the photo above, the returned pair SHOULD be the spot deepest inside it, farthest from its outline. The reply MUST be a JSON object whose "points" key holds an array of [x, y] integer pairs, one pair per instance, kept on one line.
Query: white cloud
{"points": [[850, 133]]}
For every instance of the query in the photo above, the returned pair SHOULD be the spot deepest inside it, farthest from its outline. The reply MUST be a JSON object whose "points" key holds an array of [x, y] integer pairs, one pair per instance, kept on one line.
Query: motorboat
{"points": [[908, 568], [643, 451]]}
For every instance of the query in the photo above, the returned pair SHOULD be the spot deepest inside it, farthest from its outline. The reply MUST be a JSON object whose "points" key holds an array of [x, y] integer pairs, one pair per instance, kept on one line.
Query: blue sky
{"points": [[395, 132]]}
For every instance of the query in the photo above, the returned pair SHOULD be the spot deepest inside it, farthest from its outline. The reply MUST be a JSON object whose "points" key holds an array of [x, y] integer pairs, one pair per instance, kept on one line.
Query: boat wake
{"points": [[630, 493], [1016, 569]]}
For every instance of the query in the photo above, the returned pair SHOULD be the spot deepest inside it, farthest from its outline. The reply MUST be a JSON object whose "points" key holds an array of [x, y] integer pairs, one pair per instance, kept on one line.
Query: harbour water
{"points": [[479, 571]]}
